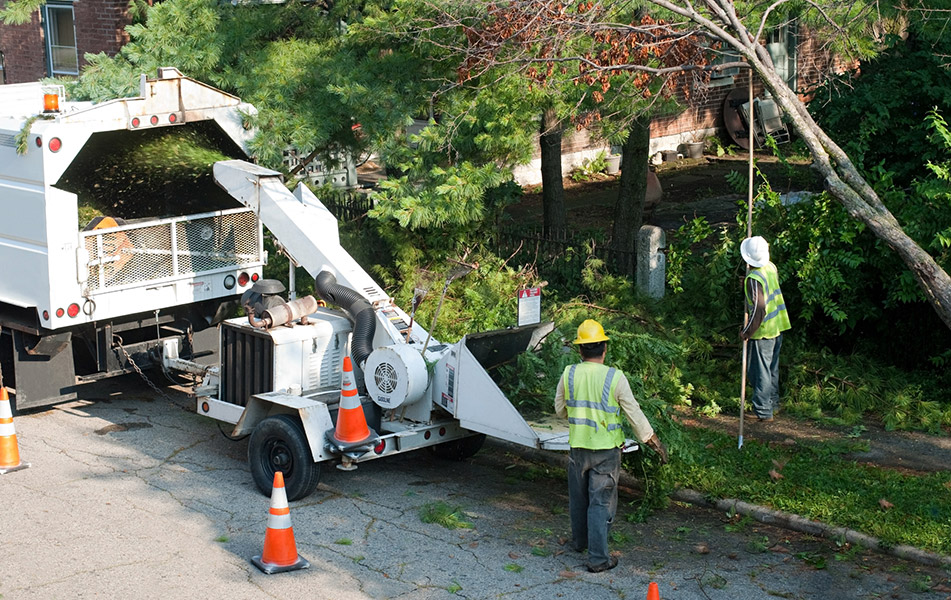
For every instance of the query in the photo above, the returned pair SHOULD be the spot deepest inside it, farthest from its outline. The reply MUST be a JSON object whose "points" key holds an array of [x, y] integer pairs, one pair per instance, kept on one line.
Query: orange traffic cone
{"points": [[652, 592], [280, 550], [9, 452], [352, 429]]}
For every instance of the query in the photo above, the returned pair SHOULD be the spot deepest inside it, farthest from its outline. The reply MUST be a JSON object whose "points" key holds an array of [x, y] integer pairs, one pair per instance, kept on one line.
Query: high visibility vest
{"points": [[594, 416], [776, 319]]}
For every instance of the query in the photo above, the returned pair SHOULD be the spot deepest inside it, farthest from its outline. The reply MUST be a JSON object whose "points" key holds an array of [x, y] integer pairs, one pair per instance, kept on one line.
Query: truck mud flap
{"points": [[51, 345], [44, 369]]}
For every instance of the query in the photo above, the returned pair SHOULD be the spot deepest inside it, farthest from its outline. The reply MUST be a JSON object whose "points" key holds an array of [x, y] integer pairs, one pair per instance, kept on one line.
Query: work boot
{"points": [[612, 562]]}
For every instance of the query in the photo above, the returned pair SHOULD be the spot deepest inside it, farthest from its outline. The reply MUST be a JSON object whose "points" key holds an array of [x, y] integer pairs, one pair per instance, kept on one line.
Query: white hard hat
{"points": [[755, 251]]}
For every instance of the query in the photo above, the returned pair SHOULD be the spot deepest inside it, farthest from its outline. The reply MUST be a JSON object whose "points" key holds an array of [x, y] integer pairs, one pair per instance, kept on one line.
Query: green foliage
{"points": [[819, 483], [19, 12], [441, 513], [878, 117], [842, 390], [590, 168], [721, 149], [23, 136]]}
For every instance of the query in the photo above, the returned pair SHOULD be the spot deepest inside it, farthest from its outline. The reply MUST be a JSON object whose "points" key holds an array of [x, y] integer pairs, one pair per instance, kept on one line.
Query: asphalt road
{"points": [[132, 495]]}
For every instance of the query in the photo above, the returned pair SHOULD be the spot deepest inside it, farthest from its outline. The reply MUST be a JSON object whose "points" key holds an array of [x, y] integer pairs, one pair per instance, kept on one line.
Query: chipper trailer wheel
{"points": [[460, 449], [278, 443]]}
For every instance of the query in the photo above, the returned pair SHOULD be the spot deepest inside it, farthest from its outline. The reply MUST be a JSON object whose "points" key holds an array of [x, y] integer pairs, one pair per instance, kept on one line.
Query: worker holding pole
{"points": [[592, 395], [766, 322]]}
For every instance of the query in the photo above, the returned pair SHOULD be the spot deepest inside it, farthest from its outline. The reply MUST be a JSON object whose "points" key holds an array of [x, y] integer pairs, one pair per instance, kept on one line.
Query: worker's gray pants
{"points": [[592, 499], [764, 375]]}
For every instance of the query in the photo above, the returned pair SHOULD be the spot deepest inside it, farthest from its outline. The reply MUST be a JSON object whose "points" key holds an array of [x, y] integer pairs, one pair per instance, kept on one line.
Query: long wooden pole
{"points": [[751, 120]]}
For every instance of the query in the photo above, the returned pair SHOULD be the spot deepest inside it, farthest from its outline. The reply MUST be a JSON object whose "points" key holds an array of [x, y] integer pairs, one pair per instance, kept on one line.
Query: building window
{"points": [[781, 45], [60, 31], [725, 76]]}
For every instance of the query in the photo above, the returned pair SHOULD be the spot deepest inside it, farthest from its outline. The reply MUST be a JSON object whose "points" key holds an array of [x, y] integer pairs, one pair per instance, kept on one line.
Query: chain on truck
{"points": [[78, 306]]}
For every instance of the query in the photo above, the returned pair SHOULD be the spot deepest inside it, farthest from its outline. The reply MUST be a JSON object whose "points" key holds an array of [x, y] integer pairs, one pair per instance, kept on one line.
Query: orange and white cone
{"points": [[280, 550], [9, 451], [352, 429], [652, 592]]}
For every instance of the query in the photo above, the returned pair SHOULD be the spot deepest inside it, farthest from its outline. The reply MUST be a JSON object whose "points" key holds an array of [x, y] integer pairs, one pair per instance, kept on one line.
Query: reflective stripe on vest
{"points": [[593, 424], [775, 319]]}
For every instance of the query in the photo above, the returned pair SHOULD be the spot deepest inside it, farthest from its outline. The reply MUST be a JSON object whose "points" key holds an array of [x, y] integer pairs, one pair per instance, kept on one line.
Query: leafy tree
{"points": [[878, 112], [567, 50], [547, 34]]}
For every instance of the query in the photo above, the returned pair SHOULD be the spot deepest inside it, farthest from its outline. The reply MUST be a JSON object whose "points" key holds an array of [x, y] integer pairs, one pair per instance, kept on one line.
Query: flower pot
{"points": [[613, 164], [694, 149], [670, 155]]}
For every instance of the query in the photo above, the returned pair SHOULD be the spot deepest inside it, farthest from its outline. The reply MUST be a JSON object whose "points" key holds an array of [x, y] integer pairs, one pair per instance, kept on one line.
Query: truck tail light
{"points": [[55, 144], [153, 120], [60, 312], [46, 315], [380, 447], [243, 279], [255, 277], [172, 118], [229, 282], [136, 122], [72, 310]]}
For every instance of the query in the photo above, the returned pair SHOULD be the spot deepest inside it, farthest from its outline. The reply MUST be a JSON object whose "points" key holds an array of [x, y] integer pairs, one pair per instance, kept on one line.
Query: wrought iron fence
{"points": [[346, 204], [560, 255]]}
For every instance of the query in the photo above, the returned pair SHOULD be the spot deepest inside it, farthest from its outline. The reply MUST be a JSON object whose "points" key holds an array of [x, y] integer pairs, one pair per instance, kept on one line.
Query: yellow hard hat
{"points": [[590, 332]]}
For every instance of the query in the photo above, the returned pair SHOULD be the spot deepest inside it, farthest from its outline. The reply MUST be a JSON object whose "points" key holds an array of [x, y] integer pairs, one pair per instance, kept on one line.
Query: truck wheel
{"points": [[278, 443], [460, 449]]}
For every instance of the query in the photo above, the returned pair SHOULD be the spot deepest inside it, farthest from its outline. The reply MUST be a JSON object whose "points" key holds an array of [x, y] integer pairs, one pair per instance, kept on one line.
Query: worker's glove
{"points": [[658, 446]]}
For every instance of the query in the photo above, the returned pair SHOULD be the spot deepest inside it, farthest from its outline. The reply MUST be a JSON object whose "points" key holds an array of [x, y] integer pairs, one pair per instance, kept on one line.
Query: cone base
{"points": [[19, 467], [270, 568], [344, 446]]}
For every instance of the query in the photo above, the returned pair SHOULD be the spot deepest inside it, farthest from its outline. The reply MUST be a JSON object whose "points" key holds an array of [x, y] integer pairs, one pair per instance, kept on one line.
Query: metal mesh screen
{"points": [[133, 255], [216, 242]]}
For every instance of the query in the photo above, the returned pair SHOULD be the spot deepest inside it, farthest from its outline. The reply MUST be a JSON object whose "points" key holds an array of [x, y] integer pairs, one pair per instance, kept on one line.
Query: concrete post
{"points": [[650, 273]]}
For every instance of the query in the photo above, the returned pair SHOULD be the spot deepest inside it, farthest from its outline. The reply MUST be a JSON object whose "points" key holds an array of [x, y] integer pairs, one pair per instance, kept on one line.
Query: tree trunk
{"points": [[629, 208], [553, 190]]}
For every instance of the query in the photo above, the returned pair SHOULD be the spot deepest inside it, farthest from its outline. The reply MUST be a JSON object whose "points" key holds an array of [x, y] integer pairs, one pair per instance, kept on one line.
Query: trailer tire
{"points": [[460, 449], [278, 443]]}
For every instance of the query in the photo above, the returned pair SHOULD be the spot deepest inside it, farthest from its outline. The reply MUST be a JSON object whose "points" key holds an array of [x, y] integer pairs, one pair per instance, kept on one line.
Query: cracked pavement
{"points": [[134, 496]]}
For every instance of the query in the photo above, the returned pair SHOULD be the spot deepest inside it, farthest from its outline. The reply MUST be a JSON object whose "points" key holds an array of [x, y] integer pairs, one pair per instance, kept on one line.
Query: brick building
{"points": [[57, 37], [799, 59]]}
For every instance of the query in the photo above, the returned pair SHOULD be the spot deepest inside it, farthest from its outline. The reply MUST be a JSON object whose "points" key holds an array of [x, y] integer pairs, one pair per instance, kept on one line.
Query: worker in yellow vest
{"points": [[767, 320], [592, 395]]}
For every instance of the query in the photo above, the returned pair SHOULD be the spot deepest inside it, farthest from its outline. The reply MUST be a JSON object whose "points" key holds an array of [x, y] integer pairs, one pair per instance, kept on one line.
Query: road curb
{"points": [[762, 514]]}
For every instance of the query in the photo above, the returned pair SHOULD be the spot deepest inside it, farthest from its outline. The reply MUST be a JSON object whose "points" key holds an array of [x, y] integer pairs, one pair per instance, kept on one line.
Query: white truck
{"points": [[80, 305], [73, 294]]}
